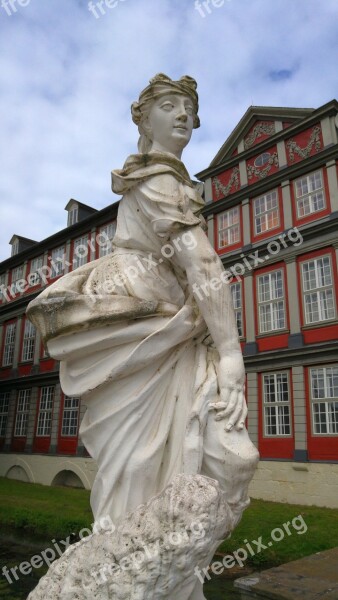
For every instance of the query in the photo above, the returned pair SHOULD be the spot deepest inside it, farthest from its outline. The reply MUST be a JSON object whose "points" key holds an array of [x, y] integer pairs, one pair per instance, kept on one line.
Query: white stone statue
{"points": [[147, 335]]}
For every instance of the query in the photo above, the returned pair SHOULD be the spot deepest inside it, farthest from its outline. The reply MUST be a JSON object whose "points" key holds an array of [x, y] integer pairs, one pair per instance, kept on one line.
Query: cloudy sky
{"points": [[68, 76]]}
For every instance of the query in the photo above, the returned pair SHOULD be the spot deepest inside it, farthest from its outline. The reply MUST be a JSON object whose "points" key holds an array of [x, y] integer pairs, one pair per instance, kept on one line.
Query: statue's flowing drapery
{"points": [[133, 344]]}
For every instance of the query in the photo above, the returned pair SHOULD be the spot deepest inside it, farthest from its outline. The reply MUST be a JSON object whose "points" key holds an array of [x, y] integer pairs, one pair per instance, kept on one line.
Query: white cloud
{"points": [[67, 81]]}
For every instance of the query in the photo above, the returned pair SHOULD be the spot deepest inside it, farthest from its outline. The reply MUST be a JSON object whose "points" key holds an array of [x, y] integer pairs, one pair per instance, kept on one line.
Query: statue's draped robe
{"points": [[133, 344]]}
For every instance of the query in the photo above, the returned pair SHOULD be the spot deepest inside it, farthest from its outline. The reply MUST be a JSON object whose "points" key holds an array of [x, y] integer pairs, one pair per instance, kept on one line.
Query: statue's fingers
{"points": [[241, 421], [217, 405], [237, 412], [232, 403]]}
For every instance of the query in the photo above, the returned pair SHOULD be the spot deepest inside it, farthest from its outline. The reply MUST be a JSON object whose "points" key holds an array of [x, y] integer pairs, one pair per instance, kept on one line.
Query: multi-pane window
{"points": [[4, 406], [17, 275], [276, 401], [105, 238], [229, 232], [236, 292], [28, 341], [70, 417], [319, 302], [310, 196], [34, 277], [324, 400], [57, 261], [73, 216], [81, 250], [266, 212], [22, 413], [9, 345], [271, 305], [2, 287], [15, 248], [45, 411]]}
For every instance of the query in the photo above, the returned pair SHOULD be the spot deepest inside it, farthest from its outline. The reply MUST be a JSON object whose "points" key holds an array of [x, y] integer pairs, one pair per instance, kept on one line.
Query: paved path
{"points": [[312, 578]]}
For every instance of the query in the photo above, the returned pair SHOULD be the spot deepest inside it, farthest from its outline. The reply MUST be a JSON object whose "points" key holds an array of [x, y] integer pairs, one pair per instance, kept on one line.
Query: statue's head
{"points": [[166, 113]]}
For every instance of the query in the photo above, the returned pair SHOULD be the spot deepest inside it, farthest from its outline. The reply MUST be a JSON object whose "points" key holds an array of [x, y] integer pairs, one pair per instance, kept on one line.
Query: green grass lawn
{"points": [[55, 512]]}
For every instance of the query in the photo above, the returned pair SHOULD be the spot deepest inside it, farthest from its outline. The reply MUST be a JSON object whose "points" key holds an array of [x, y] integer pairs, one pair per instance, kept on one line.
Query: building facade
{"points": [[39, 425], [271, 198], [272, 210]]}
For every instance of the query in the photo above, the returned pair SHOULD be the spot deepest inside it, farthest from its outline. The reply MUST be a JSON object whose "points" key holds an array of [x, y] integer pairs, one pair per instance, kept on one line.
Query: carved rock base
{"points": [[153, 552]]}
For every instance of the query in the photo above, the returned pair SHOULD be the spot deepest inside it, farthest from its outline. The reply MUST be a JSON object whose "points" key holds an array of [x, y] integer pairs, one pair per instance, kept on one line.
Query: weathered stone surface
{"points": [[153, 552], [312, 578]]}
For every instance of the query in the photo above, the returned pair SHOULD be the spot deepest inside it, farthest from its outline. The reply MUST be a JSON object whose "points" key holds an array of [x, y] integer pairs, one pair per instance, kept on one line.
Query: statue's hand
{"points": [[231, 379]]}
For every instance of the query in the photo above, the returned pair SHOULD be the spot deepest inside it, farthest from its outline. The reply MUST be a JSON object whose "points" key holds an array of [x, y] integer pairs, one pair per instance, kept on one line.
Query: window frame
{"points": [[45, 413], [28, 342], [313, 215], [79, 260], [23, 412], [219, 230], [239, 310], [4, 398], [277, 404], [53, 262], [73, 216], [66, 424], [325, 401], [279, 208], [260, 331], [315, 258], [34, 278], [105, 249], [10, 343]]}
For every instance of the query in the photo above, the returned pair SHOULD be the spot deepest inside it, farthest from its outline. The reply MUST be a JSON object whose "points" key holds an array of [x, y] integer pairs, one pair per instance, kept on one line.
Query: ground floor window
{"points": [[4, 407], [276, 404], [324, 400], [22, 413], [45, 411], [70, 417]]}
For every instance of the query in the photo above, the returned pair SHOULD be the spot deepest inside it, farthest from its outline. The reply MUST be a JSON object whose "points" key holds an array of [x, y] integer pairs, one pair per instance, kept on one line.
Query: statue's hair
{"points": [[161, 85]]}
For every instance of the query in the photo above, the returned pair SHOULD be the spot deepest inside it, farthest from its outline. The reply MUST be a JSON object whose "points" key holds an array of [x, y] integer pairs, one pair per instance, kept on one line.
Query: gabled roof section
{"points": [[20, 238], [255, 114], [72, 201]]}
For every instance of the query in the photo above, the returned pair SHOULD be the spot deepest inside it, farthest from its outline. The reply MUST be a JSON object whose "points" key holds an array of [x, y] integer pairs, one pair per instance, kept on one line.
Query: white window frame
{"points": [[22, 413], [28, 345], [313, 185], [3, 280], [237, 302], [109, 230], [70, 417], [4, 409], [276, 412], [324, 400], [80, 258], [73, 216], [229, 226], [262, 211], [17, 275], [9, 345], [44, 425], [15, 248], [34, 277], [320, 295], [57, 262], [271, 305]]}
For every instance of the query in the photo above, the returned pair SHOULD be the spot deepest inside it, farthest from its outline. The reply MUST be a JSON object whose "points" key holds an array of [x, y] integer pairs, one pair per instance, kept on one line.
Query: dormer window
{"points": [[73, 216], [15, 248]]}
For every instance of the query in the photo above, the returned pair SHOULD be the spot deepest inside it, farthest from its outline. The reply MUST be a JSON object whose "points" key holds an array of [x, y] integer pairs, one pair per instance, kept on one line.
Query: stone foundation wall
{"points": [[296, 483]]}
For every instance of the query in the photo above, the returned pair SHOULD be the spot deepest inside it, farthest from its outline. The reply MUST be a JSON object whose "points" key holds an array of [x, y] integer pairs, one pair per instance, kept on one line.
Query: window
{"points": [[310, 194], [324, 400], [22, 412], [271, 306], [266, 212], [236, 292], [262, 159], [70, 418], [2, 287], [228, 228], [81, 251], [45, 411], [105, 238], [34, 277], [319, 303], [17, 275], [4, 406], [9, 345], [28, 341], [58, 261], [276, 401], [15, 248], [73, 216]]}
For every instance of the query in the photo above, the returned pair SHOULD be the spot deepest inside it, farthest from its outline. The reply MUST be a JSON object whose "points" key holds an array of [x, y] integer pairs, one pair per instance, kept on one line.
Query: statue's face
{"points": [[170, 122]]}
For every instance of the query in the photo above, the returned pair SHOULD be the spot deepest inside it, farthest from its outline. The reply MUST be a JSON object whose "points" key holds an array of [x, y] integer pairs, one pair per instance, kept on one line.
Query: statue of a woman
{"points": [[147, 335]]}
